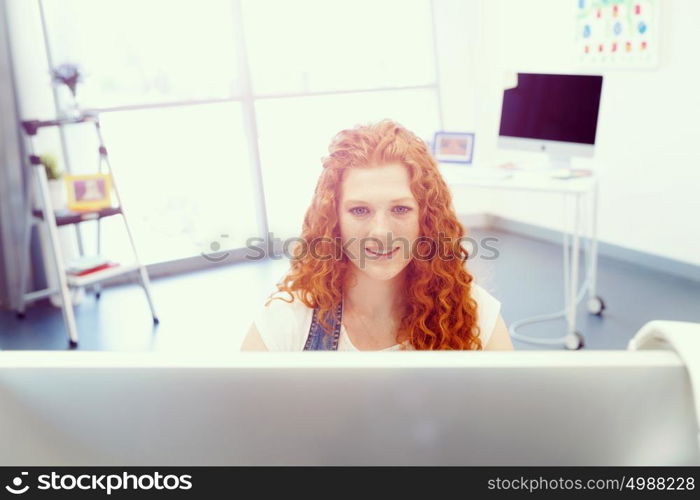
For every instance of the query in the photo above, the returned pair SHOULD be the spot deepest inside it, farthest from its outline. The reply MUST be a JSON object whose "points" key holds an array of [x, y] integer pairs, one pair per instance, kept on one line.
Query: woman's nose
{"points": [[380, 229]]}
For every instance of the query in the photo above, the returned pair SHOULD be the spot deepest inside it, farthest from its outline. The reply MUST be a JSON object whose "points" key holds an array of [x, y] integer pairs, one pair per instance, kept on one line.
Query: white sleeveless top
{"points": [[284, 326]]}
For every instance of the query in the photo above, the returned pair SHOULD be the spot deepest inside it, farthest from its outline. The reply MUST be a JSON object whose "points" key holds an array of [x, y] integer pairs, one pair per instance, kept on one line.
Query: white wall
{"points": [[10, 176], [458, 38], [31, 67], [32, 76], [646, 152]]}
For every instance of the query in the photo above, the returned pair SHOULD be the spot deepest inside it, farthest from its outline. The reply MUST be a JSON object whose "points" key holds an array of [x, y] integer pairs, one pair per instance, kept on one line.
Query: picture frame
{"points": [[88, 192], [454, 147]]}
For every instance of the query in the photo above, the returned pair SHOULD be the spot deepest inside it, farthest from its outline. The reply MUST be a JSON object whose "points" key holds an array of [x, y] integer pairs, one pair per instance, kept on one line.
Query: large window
{"points": [[304, 46], [292, 160], [180, 90], [138, 52]]}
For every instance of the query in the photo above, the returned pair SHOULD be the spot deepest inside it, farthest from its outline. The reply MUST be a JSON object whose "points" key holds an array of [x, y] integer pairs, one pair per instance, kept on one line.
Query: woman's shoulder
{"points": [[281, 322], [488, 308]]}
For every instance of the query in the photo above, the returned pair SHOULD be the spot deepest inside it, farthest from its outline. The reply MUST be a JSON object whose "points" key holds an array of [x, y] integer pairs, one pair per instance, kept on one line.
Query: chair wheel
{"points": [[156, 321], [595, 306], [72, 344], [20, 315], [574, 342]]}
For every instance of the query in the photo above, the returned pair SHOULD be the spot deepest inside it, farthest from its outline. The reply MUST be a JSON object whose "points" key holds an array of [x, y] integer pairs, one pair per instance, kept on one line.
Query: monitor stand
{"points": [[560, 167], [559, 162]]}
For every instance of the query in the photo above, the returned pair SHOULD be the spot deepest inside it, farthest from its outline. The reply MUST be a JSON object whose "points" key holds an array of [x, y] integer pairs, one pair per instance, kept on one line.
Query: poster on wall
{"points": [[618, 34]]}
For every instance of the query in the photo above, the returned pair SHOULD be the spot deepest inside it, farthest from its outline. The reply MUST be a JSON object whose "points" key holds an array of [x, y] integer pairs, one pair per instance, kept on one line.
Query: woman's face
{"points": [[378, 219]]}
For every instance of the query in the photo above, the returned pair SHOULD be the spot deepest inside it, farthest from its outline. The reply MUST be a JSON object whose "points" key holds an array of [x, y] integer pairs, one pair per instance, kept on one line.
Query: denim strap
{"points": [[319, 339]]}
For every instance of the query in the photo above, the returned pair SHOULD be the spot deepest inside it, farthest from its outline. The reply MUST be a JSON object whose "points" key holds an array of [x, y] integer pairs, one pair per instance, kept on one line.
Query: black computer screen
{"points": [[552, 107]]}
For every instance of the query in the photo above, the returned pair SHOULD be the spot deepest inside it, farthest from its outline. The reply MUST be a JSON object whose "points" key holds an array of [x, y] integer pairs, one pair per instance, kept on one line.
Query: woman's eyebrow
{"points": [[407, 198]]}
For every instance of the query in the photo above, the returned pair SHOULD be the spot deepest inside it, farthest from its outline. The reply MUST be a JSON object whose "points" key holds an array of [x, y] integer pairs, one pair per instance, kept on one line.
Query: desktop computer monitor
{"points": [[529, 408], [555, 114]]}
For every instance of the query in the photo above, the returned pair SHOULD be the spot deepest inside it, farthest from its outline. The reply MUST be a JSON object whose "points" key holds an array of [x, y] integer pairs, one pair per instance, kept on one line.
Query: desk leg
{"points": [[594, 243], [571, 246], [573, 281], [594, 304], [573, 339], [566, 256]]}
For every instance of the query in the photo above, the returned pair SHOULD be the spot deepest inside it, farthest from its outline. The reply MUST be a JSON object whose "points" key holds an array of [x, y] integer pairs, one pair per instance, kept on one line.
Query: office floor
{"points": [[211, 310]]}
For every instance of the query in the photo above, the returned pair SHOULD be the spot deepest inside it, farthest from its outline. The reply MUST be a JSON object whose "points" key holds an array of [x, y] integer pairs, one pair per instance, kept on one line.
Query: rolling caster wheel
{"points": [[574, 342], [156, 321], [595, 306], [72, 344], [97, 295], [21, 315]]}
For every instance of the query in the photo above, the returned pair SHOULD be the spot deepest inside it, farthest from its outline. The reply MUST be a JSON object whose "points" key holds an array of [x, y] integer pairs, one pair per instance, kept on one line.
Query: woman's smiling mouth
{"points": [[381, 255]]}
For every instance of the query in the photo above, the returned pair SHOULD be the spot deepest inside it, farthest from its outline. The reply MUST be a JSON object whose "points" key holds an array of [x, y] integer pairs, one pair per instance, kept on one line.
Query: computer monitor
{"points": [[347, 408], [555, 114]]}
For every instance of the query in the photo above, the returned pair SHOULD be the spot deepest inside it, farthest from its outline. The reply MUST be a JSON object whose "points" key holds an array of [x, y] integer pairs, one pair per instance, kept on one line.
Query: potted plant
{"points": [[57, 188]]}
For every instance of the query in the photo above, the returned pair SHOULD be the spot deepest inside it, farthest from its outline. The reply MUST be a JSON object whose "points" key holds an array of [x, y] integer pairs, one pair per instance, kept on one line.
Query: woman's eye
{"points": [[364, 211], [354, 211]]}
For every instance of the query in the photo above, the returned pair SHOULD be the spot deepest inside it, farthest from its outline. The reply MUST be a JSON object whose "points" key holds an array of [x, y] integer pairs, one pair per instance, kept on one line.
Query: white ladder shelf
{"points": [[37, 194]]}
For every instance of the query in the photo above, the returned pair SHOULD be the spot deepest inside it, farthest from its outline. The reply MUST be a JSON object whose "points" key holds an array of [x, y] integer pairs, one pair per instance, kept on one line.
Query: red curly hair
{"points": [[441, 313]]}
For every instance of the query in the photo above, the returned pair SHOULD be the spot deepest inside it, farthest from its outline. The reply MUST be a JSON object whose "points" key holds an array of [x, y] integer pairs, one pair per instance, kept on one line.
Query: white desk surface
{"points": [[519, 180]]}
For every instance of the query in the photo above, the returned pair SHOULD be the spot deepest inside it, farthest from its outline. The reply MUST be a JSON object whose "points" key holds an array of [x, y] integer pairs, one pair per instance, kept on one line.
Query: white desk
{"points": [[578, 189]]}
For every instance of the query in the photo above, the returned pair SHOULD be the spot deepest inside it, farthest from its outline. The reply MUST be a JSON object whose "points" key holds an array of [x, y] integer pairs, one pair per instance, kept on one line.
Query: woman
{"points": [[381, 266]]}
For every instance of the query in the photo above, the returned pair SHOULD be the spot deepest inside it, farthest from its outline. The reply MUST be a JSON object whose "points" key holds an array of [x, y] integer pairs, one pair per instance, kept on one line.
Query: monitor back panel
{"points": [[636, 409]]}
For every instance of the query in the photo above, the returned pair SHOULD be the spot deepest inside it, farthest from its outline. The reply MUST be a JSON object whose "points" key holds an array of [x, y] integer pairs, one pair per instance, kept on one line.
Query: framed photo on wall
{"points": [[88, 192], [453, 147]]}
